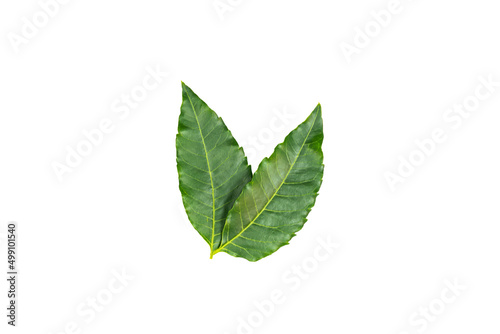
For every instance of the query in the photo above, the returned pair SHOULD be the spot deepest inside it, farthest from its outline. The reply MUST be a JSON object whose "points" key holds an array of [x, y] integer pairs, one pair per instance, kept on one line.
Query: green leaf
{"points": [[212, 167], [275, 204]]}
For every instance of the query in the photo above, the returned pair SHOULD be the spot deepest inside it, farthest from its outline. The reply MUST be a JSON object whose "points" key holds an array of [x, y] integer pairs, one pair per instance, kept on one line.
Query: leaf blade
{"points": [[212, 167], [265, 215]]}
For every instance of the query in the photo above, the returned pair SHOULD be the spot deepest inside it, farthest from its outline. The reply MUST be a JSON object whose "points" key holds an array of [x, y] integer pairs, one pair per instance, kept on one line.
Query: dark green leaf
{"points": [[275, 204], [212, 167]]}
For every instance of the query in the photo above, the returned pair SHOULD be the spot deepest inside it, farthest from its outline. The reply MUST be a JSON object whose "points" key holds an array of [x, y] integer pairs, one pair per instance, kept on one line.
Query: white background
{"points": [[121, 207]]}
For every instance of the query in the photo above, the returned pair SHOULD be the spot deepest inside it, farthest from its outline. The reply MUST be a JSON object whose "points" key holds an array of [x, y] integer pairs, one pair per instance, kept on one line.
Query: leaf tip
{"points": [[318, 108]]}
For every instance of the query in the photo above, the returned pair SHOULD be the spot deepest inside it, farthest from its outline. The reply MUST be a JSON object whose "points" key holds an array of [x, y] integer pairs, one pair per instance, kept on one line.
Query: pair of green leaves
{"points": [[237, 213]]}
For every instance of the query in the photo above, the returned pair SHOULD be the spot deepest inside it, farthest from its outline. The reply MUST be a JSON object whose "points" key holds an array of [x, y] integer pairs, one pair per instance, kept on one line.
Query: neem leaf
{"points": [[275, 204], [212, 167]]}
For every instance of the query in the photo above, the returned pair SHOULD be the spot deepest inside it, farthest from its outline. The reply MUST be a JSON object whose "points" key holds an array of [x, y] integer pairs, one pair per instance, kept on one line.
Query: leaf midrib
{"points": [[272, 197], [209, 172]]}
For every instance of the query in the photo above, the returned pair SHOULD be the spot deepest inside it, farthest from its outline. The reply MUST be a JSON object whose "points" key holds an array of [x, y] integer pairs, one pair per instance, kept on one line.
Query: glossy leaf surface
{"points": [[275, 204], [212, 167]]}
